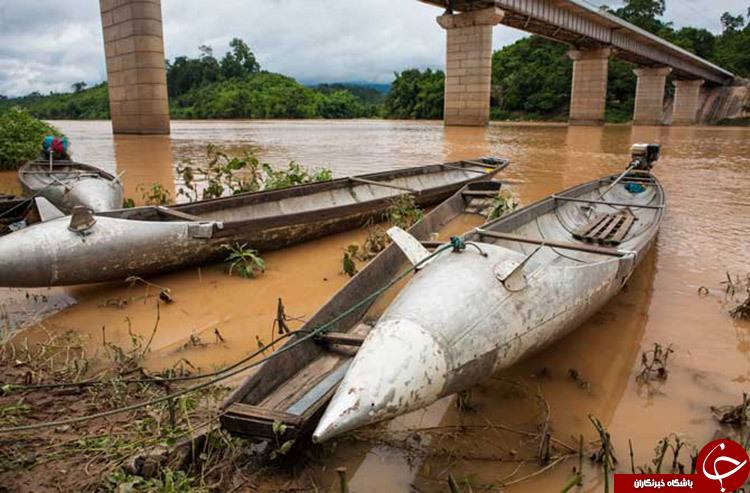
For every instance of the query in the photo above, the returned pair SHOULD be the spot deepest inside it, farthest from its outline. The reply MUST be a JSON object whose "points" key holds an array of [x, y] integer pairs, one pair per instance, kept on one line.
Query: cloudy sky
{"points": [[46, 45]]}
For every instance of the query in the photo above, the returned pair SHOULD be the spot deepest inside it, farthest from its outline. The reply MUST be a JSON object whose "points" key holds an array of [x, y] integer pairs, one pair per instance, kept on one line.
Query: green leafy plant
{"points": [[247, 263], [347, 263], [654, 363], [223, 174], [376, 241], [502, 204], [21, 137], [294, 174], [282, 447], [155, 194], [403, 211], [220, 175]]}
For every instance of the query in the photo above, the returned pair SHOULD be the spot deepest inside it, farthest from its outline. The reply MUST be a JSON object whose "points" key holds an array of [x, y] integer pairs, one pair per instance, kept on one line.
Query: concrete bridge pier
{"points": [[588, 96], [136, 73], [686, 101], [649, 95], [468, 65]]}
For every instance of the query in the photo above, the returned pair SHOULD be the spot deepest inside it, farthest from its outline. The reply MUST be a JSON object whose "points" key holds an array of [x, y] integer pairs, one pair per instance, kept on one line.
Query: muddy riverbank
{"points": [[706, 174]]}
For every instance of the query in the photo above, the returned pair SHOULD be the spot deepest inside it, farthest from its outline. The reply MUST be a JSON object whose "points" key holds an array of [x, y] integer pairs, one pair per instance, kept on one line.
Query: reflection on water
{"points": [[706, 174], [143, 160]]}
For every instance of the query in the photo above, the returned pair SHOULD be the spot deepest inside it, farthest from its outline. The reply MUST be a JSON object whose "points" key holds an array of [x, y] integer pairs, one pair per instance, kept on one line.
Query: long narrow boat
{"points": [[67, 184], [294, 386], [528, 279], [143, 241]]}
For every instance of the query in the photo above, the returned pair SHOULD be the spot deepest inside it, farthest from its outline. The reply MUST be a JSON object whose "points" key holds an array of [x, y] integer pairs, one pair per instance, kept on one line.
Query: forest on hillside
{"points": [[531, 79]]}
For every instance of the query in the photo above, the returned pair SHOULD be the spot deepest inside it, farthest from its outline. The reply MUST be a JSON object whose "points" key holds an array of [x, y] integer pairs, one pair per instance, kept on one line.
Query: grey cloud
{"points": [[46, 45]]}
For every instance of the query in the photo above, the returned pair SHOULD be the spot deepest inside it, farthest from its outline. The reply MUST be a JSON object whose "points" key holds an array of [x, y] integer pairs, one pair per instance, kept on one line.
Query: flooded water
{"points": [[217, 319]]}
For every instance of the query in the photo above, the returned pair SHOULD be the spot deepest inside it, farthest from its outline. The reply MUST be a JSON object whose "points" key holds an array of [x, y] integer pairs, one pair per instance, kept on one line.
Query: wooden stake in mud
{"points": [[172, 413], [341, 471], [281, 318]]}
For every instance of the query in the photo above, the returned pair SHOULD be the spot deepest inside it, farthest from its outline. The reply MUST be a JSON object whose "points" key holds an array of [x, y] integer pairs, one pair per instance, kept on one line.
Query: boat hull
{"points": [[68, 185], [149, 240], [455, 324], [467, 315], [49, 254]]}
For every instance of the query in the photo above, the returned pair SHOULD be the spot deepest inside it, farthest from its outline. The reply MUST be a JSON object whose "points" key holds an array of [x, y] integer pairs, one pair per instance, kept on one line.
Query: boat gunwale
{"points": [[228, 228], [24, 172], [262, 196], [533, 211]]}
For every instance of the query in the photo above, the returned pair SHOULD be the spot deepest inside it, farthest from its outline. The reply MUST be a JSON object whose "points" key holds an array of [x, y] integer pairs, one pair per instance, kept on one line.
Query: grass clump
{"points": [[20, 137], [246, 262]]}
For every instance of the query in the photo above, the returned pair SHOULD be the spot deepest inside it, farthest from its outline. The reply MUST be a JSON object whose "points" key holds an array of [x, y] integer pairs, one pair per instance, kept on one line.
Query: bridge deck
{"points": [[578, 24]]}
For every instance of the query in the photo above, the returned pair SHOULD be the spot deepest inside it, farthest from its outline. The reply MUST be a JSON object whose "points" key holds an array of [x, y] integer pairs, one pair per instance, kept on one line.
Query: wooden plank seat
{"points": [[605, 229]]}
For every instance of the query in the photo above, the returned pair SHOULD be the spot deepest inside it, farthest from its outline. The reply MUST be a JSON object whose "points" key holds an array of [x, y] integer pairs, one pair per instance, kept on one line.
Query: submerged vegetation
{"points": [[403, 211], [21, 137], [736, 295], [223, 174]]}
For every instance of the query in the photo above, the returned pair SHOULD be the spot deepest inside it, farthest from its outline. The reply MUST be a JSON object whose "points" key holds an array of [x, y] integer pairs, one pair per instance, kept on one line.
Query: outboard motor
{"points": [[644, 156]]}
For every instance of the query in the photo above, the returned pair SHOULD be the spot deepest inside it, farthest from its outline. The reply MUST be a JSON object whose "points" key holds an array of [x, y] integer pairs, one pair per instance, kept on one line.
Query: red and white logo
{"points": [[725, 463]]}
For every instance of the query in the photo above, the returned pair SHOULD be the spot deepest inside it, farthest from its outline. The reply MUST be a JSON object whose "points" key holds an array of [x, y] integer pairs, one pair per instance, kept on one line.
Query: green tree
{"points": [[732, 23], [416, 95], [696, 40], [643, 13], [731, 48], [78, 86], [339, 104], [533, 75], [186, 73], [20, 137], [240, 61]]}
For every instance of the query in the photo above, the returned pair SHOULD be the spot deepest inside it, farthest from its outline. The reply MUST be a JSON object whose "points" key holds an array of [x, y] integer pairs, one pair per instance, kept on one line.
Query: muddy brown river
{"points": [[706, 175]]}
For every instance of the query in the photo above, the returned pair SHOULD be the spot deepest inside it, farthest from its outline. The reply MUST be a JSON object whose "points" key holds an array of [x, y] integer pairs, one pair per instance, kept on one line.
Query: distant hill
{"points": [[365, 93], [86, 104]]}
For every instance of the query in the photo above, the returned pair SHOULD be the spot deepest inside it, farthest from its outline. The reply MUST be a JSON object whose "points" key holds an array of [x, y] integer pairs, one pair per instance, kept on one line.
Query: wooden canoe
{"points": [[542, 270], [295, 386], [67, 184], [148, 240]]}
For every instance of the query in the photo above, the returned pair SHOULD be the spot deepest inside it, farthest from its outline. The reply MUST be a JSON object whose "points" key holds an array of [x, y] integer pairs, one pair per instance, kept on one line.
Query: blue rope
{"points": [[458, 243]]}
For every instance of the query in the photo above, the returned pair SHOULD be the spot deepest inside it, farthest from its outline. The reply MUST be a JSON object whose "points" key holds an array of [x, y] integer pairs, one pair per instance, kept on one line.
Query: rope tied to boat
{"points": [[459, 244], [298, 337]]}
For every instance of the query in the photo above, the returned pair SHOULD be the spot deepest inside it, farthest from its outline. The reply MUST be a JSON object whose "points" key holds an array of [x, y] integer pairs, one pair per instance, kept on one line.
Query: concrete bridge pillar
{"points": [[468, 65], [136, 73], [649, 95], [686, 101], [588, 96]]}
